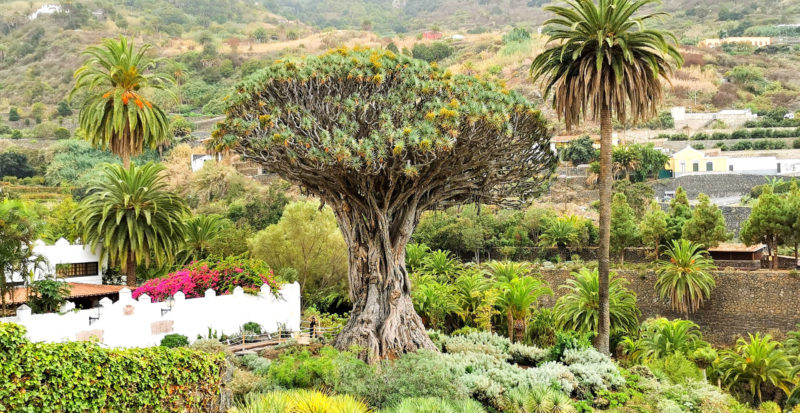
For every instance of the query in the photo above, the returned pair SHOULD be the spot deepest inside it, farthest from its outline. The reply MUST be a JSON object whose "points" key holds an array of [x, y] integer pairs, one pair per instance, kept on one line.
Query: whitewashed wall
{"points": [[62, 252], [139, 323]]}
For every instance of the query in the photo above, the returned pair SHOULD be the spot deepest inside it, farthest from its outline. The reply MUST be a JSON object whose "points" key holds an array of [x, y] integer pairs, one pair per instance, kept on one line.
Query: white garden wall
{"points": [[139, 323]]}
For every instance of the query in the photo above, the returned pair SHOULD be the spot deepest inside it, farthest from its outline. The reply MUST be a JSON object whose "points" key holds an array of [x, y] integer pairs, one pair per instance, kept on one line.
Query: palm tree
{"points": [[561, 234], [517, 296], [504, 271], [200, 231], [132, 215], [661, 338], [755, 363], [685, 280], [604, 64], [579, 308], [470, 288], [115, 114]]}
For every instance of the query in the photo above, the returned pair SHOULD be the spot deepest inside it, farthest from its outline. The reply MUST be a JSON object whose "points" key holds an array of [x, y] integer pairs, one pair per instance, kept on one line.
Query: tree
{"points": [[399, 131], [15, 164], [133, 217], [767, 223], [579, 308], [679, 213], [13, 114], [64, 109], [707, 225], [47, 295], [260, 35], [580, 151], [307, 240], [604, 63], [116, 115], [561, 234], [626, 160], [686, 279], [516, 298], [201, 232], [624, 231], [653, 227], [17, 233]]}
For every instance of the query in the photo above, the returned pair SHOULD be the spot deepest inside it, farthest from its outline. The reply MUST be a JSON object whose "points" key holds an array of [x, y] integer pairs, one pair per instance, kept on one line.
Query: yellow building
{"points": [[689, 160]]}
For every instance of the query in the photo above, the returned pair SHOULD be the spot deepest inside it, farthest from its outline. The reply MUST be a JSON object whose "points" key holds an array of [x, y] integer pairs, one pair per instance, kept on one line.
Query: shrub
{"points": [[82, 376], [420, 374], [61, 133], [676, 367], [432, 404], [256, 364], [221, 276], [720, 136], [538, 400], [679, 137], [174, 341], [16, 134], [212, 346], [252, 327], [244, 382], [300, 400], [700, 136], [593, 370]]}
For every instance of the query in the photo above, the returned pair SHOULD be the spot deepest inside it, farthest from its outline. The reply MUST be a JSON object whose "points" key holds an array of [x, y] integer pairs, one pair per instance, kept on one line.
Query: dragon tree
{"points": [[380, 138]]}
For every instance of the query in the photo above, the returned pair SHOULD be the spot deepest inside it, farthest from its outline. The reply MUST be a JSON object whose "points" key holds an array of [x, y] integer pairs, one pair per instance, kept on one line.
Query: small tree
{"points": [[580, 151], [679, 213], [47, 296], [768, 223], [64, 109], [380, 138], [707, 225], [13, 114], [653, 227], [624, 232]]}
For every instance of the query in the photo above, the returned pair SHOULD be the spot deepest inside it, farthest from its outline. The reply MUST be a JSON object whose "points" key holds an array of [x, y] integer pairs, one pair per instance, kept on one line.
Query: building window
{"points": [[683, 166], [730, 168], [78, 269], [709, 166], [779, 167], [695, 166]]}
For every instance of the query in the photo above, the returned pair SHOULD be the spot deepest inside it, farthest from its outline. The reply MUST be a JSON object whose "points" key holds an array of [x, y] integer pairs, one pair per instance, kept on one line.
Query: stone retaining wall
{"points": [[715, 185]]}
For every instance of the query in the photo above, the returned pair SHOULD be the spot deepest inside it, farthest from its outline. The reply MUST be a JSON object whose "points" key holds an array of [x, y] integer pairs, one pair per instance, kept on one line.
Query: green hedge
{"points": [[84, 377]]}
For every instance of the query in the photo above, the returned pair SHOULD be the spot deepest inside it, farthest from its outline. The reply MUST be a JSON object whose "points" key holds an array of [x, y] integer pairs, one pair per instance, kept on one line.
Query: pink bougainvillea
{"points": [[221, 276]]}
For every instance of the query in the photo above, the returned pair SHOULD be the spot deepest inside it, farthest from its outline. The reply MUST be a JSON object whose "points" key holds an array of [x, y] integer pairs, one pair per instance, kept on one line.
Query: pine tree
{"points": [[624, 232], [654, 226], [707, 225], [13, 114], [679, 213], [793, 216], [767, 223]]}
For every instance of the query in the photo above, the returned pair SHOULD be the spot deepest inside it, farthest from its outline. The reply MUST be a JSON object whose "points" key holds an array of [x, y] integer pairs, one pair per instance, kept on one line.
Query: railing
{"points": [[251, 340]]}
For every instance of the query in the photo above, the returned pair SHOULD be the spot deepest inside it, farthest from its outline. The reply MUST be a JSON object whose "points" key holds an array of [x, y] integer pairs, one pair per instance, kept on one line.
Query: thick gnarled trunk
{"points": [[383, 323]]}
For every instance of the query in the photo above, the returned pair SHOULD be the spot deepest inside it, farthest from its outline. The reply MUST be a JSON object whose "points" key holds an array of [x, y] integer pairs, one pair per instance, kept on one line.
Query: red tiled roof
{"points": [[76, 290]]}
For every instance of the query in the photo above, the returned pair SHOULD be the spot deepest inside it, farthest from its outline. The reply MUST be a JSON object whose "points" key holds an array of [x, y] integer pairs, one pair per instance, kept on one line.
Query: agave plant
{"points": [[579, 308], [686, 279], [754, 363], [516, 300]]}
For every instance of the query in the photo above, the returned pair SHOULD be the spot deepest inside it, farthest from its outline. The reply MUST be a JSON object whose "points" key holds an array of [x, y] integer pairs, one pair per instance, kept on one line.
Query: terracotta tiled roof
{"points": [[733, 247], [76, 290]]}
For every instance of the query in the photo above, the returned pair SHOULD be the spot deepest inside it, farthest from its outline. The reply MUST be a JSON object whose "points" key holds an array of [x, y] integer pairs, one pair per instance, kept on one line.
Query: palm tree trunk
{"points": [[126, 161], [510, 325], [601, 340], [130, 271]]}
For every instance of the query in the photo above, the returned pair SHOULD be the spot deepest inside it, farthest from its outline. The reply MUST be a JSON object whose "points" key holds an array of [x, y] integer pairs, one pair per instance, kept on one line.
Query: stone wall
{"points": [[743, 302], [734, 216], [716, 185]]}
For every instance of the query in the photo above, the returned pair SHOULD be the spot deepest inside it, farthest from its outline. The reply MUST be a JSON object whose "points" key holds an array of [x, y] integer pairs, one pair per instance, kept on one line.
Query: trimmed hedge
{"points": [[737, 134], [84, 377]]}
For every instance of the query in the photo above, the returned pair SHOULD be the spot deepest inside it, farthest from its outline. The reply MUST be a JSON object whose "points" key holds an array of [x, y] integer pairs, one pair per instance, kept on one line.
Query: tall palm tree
{"points": [[517, 296], [116, 115], [686, 280], [604, 63], [133, 216], [200, 231]]}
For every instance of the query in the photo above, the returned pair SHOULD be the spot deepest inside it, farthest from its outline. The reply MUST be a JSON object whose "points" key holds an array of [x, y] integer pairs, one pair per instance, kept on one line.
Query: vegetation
{"points": [[707, 225], [685, 280]]}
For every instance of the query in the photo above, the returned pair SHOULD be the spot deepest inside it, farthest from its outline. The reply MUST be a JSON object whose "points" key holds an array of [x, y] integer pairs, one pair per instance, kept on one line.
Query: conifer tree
{"points": [[767, 223], [653, 227], [679, 213], [624, 232], [707, 225]]}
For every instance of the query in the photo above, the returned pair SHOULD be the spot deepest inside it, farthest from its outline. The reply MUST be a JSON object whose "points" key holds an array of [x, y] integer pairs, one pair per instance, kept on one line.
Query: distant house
{"points": [[46, 9], [689, 160], [71, 262], [457, 37], [753, 41], [432, 35], [730, 117]]}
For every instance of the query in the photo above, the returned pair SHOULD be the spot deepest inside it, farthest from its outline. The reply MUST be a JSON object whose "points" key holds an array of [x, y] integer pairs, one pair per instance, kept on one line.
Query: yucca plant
{"points": [[132, 215], [754, 363], [686, 279], [603, 63], [116, 115], [517, 298], [579, 308]]}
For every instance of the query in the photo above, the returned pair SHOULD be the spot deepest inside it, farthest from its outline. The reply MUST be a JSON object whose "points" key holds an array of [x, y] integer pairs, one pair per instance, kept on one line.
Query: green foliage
{"points": [[707, 225], [433, 52], [174, 340], [578, 308], [200, 232], [754, 364], [686, 280], [517, 34], [307, 240], [676, 367], [767, 221], [47, 295], [538, 400], [517, 296], [569, 340], [579, 151], [679, 213], [15, 164], [624, 231], [659, 338], [61, 133], [17, 234], [13, 114], [653, 227], [300, 400], [81, 376], [431, 404]]}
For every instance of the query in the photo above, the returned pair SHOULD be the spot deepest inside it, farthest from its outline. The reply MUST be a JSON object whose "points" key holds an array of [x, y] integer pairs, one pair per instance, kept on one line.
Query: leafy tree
{"points": [[604, 63], [431, 52], [624, 231], [517, 296], [200, 232], [392, 48], [626, 160], [37, 111], [638, 195], [13, 114], [133, 217], [60, 222], [15, 164], [686, 279], [260, 35], [47, 296], [679, 213], [61, 133], [579, 308], [653, 227], [561, 233], [580, 151], [400, 129], [17, 234], [116, 115], [767, 223], [755, 363], [707, 225], [307, 240]]}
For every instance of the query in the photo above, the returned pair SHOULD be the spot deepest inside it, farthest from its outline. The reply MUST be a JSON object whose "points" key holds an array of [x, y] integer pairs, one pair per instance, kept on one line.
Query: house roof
{"points": [[735, 247], [570, 138], [76, 290]]}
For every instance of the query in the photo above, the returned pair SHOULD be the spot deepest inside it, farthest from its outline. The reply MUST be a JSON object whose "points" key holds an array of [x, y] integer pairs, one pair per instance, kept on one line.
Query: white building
{"points": [[731, 117], [46, 9], [71, 262]]}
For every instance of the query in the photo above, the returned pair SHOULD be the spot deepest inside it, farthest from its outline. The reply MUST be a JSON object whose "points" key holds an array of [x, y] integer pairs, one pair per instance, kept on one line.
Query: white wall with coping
{"points": [[139, 323]]}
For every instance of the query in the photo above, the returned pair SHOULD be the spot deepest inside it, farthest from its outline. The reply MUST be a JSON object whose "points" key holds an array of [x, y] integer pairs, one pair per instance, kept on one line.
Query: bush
{"points": [[61, 133], [252, 327], [517, 34], [431, 53], [174, 341], [256, 364], [16, 134], [676, 367], [221, 276], [718, 136], [300, 400], [679, 137], [82, 376], [700, 136], [420, 374], [432, 404], [796, 144]]}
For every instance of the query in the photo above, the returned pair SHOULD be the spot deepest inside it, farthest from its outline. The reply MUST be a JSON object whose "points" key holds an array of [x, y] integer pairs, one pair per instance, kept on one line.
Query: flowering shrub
{"points": [[221, 276]]}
